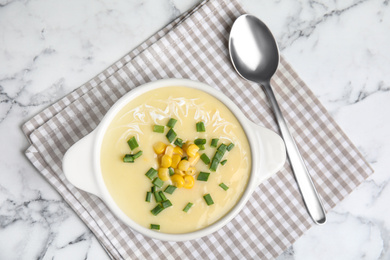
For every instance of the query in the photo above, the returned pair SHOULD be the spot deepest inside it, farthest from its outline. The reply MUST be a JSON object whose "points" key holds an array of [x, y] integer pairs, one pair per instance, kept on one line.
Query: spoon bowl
{"points": [[253, 50], [255, 56]]}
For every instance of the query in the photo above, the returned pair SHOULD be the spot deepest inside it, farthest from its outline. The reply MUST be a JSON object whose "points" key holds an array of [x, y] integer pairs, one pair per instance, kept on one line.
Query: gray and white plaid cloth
{"points": [[194, 46]]}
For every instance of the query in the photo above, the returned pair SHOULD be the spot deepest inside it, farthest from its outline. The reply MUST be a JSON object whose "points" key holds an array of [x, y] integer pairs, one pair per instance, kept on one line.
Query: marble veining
{"points": [[49, 48]]}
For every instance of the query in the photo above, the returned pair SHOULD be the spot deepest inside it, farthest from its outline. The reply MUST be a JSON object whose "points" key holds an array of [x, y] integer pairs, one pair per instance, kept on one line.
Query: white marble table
{"points": [[48, 48]]}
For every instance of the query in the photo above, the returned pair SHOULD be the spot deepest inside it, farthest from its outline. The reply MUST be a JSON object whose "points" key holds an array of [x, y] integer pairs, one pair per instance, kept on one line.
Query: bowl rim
{"points": [[150, 86]]}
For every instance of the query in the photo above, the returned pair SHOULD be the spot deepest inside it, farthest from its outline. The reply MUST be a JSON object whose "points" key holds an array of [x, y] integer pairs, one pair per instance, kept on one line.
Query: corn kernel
{"points": [[180, 172], [190, 171], [169, 150], [177, 180], [194, 159], [159, 147], [192, 150], [183, 165], [178, 150], [166, 161], [186, 145], [163, 174], [189, 181], [176, 158]]}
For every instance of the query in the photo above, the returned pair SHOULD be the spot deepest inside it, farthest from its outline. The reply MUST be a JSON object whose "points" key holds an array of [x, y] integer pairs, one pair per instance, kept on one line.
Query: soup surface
{"points": [[127, 182]]}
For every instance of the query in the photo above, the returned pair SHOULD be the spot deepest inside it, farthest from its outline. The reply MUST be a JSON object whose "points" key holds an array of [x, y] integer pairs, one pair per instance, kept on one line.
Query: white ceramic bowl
{"points": [[81, 163]]}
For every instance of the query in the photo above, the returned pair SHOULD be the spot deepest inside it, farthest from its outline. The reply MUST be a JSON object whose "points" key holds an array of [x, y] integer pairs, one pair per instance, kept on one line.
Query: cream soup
{"points": [[127, 182]]}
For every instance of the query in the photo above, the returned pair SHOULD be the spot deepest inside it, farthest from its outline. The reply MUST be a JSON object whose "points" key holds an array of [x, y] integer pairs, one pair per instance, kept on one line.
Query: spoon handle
{"points": [[308, 191]]}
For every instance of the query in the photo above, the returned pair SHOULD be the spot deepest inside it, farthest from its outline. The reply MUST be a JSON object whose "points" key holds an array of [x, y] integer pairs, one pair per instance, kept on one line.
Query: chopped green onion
{"points": [[218, 155], [158, 182], [166, 204], [184, 158], [162, 195], [200, 141], [171, 135], [158, 129], [222, 148], [200, 127], [187, 207], [171, 171], [208, 199], [223, 186], [138, 154], [129, 158], [148, 196], [205, 158], [203, 176], [170, 189], [153, 189], [171, 122], [214, 142], [214, 165], [223, 162], [179, 142], [133, 156], [151, 173], [201, 147], [155, 226], [230, 146], [156, 210], [157, 196], [132, 143]]}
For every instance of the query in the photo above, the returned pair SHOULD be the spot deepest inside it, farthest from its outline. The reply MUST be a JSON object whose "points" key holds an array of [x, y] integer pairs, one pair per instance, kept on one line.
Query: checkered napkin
{"points": [[194, 46]]}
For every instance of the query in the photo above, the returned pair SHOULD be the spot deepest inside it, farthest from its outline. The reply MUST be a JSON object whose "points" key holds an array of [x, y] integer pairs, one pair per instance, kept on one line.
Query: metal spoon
{"points": [[255, 56]]}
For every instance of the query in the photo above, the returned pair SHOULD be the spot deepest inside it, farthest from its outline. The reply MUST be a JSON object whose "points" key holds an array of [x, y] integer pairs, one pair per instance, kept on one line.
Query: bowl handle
{"points": [[77, 164], [272, 151]]}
